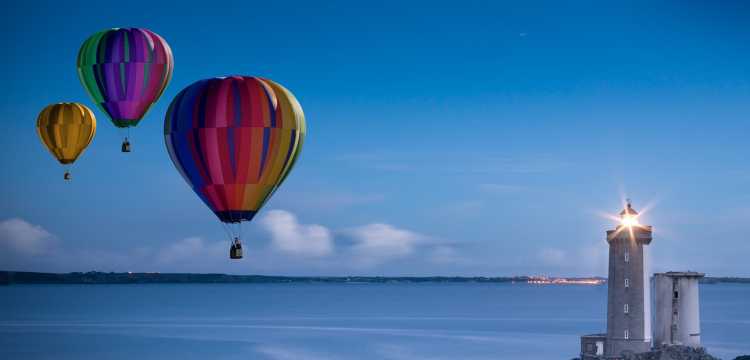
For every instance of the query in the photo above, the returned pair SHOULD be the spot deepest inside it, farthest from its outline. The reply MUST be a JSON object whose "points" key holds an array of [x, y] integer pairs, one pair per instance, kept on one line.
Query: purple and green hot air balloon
{"points": [[125, 70]]}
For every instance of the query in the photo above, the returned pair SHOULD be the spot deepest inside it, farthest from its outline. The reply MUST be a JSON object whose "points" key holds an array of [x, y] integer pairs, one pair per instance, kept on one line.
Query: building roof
{"points": [[681, 274], [628, 210]]}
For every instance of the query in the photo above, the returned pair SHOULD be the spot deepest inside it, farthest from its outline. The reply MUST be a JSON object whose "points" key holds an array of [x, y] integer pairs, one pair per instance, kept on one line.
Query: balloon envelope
{"points": [[66, 129], [125, 70], [234, 140]]}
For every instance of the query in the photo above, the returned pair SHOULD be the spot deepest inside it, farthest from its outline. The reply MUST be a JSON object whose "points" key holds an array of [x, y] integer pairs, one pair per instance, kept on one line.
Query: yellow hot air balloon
{"points": [[66, 129]]}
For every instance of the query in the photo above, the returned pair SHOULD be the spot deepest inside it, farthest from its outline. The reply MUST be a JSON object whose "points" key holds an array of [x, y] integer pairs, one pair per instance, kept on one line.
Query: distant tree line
{"points": [[95, 277]]}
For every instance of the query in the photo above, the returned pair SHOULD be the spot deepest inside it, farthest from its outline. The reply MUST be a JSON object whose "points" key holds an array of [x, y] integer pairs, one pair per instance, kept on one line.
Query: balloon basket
{"points": [[125, 146], [235, 252]]}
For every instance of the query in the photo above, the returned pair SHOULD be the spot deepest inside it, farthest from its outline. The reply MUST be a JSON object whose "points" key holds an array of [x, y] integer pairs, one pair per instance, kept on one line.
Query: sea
{"points": [[329, 321]]}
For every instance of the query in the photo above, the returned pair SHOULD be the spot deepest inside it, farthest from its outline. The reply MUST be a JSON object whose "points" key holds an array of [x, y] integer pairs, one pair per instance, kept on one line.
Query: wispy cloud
{"points": [[189, 249], [377, 243], [288, 235], [276, 352], [365, 246], [28, 247], [24, 245], [292, 246], [20, 237]]}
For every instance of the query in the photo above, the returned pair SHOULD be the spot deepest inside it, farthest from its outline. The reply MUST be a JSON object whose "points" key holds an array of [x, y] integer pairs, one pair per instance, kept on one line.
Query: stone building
{"points": [[677, 318]]}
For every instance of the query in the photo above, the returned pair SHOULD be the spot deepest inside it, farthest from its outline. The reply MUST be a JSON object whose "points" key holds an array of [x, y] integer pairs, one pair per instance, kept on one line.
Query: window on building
{"points": [[627, 256], [627, 283], [627, 334], [676, 295], [627, 308]]}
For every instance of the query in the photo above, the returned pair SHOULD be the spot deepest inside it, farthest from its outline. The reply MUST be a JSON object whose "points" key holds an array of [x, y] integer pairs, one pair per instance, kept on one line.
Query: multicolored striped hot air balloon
{"points": [[66, 129], [234, 140], [125, 70]]}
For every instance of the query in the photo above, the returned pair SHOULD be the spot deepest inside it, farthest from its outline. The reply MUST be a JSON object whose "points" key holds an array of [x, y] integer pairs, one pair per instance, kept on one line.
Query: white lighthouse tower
{"points": [[628, 298]]}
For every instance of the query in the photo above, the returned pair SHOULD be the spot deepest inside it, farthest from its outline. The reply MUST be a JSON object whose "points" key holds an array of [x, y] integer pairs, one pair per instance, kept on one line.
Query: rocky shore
{"points": [[675, 352]]}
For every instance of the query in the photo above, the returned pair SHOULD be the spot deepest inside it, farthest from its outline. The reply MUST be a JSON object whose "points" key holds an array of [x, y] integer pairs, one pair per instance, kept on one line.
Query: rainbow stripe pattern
{"points": [[234, 140]]}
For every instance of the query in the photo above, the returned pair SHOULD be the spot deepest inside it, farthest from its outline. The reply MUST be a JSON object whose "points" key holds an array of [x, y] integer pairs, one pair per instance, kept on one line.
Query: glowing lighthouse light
{"points": [[629, 217], [629, 220]]}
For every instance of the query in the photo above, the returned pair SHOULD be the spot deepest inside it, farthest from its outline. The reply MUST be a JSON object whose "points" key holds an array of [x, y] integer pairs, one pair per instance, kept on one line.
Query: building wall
{"points": [[690, 328], [592, 346], [662, 309], [637, 319], [677, 320], [647, 330]]}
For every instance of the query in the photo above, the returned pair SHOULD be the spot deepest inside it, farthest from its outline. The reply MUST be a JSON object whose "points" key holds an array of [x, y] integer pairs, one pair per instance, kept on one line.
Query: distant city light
{"points": [[543, 280]]}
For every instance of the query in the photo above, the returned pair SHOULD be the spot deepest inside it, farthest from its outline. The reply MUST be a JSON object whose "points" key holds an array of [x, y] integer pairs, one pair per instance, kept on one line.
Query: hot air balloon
{"points": [[66, 129], [234, 140], [125, 71]]}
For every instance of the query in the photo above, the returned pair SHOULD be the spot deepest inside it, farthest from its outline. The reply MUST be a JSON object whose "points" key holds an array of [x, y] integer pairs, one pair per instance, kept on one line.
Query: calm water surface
{"points": [[334, 321]]}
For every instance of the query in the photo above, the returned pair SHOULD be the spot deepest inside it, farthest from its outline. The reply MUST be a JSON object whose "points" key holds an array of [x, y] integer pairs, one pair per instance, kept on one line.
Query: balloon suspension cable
{"points": [[236, 231], [227, 230]]}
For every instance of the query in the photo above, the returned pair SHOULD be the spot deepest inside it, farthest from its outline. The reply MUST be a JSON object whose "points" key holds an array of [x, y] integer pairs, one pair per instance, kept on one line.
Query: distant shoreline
{"points": [[95, 277]]}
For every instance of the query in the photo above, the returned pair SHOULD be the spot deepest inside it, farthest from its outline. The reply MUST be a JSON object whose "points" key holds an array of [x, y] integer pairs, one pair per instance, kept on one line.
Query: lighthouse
{"points": [[629, 300], [628, 297]]}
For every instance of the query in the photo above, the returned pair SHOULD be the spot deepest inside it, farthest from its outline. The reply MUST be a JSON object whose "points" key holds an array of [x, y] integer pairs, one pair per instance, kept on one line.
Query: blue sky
{"points": [[471, 138]]}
